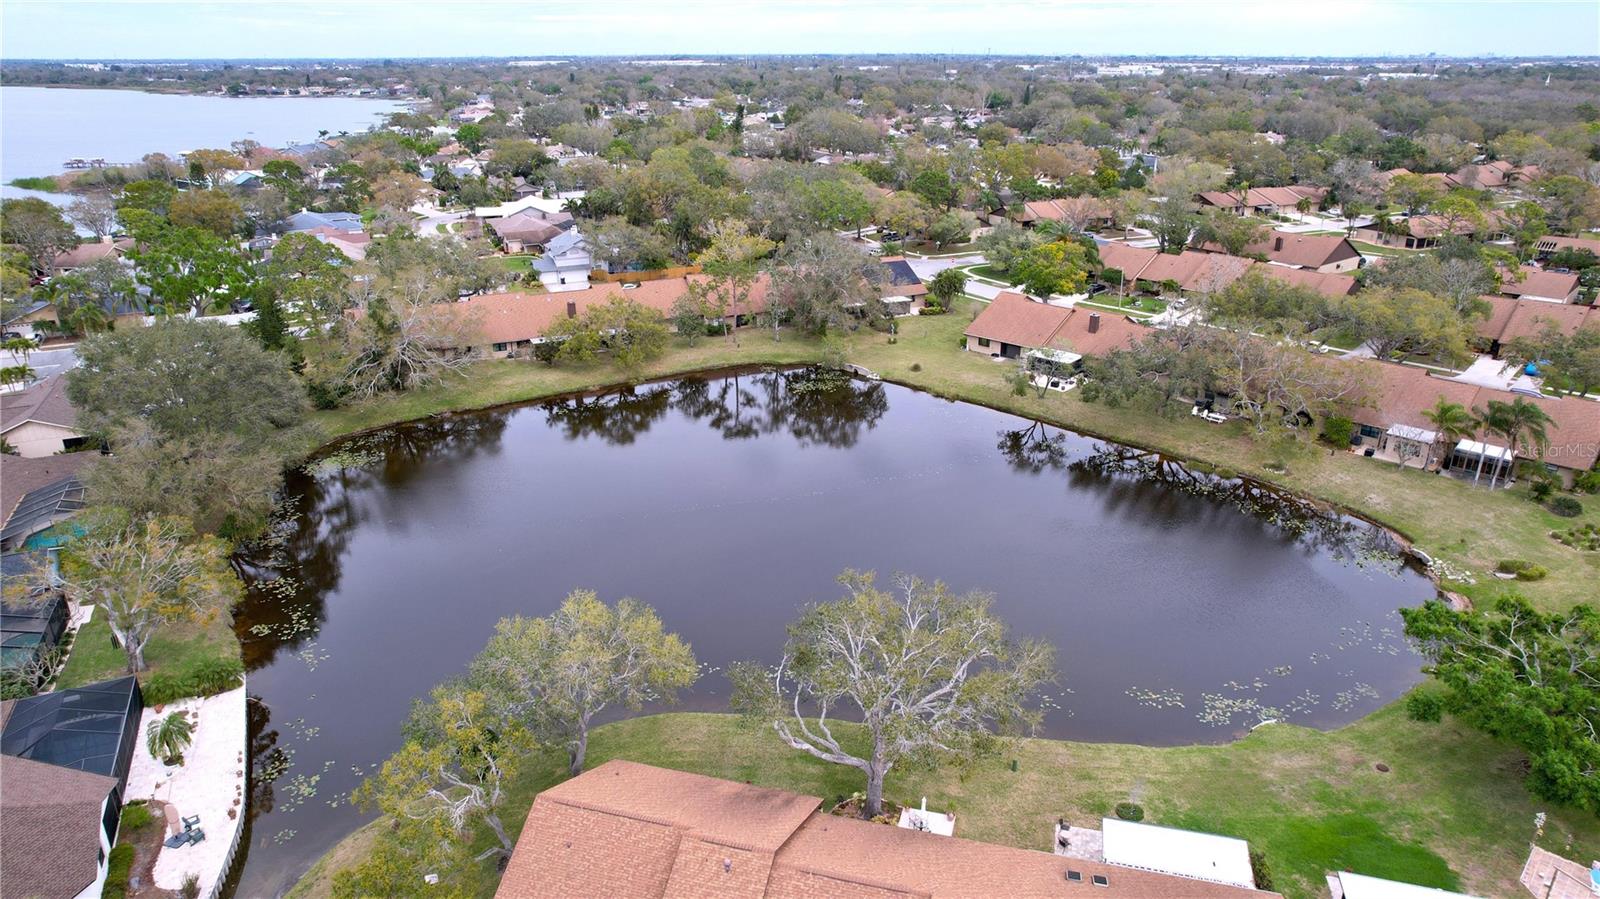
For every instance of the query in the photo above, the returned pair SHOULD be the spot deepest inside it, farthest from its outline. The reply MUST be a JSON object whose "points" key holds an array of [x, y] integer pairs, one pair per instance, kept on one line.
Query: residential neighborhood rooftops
{"points": [[630, 830], [1309, 251], [1539, 283], [306, 221], [44, 401], [1510, 318], [20, 477], [1015, 319], [51, 837]]}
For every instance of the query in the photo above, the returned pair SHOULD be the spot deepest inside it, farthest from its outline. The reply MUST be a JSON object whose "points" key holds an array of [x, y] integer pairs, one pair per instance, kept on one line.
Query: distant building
{"points": [[566, 262], [39, 420], [305, 220]]}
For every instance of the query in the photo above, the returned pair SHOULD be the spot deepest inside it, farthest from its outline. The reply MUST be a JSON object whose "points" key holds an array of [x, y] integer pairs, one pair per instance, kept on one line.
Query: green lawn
{"points": [[1134, 305], [519, 264], [1449, 813], [988, 271], [93, 657]]}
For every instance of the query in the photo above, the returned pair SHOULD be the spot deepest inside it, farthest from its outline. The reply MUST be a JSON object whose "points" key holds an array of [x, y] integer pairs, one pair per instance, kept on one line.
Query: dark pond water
{"points": [[1183, 608]]}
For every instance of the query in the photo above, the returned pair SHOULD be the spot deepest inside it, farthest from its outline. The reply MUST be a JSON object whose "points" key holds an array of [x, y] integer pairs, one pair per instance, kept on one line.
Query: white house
{"points": [[566, 263]]}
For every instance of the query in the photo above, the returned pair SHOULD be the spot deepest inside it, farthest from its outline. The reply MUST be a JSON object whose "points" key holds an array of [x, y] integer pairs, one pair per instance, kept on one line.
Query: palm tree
{"points": [[1523, 421], [168, 737], [1451, 421], [20, 346], [1497, 421], [1484, 420]]}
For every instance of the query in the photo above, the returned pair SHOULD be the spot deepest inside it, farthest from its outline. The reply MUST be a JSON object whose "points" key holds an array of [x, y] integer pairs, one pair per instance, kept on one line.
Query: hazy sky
{"points": [[66, 29]]}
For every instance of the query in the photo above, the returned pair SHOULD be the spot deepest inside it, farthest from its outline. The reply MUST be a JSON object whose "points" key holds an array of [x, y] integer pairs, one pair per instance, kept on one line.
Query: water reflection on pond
{"points": [[1184, 607]]}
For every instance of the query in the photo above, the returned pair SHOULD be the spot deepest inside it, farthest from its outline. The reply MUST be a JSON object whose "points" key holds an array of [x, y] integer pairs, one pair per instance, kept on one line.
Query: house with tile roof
{"points": [[508, 324], [1328, 253], [566, 262], [1012, 326], [1510, 319], [1532, 283], [39, 420], [1554, 243], [1397, 396], [528, 229], [628, 830], [1262, 200]]}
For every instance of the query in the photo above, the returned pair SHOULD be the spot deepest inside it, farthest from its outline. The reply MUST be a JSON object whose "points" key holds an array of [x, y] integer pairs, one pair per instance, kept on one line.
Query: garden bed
{"points": [[851, 806]]}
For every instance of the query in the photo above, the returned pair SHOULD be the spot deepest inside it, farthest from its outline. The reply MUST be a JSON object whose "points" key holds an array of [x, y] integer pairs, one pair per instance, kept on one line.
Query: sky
{"points": [[256, 29]]}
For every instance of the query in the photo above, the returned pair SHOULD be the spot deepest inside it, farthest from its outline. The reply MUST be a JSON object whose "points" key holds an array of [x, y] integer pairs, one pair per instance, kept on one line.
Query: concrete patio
{"points": [[209, 783]]}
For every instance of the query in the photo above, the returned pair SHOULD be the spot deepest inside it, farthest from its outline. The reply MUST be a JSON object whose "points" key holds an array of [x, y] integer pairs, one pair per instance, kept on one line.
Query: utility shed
{"points": [[1202, 856]]}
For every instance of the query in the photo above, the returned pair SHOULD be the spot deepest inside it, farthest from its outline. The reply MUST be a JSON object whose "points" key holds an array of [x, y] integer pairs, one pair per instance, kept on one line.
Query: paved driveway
{"points": [[432, 218], [45, 363]]}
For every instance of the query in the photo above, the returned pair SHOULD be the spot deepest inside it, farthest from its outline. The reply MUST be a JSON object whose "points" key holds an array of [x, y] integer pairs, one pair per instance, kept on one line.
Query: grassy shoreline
{"points": [[1452, 805], [1470, 529]]}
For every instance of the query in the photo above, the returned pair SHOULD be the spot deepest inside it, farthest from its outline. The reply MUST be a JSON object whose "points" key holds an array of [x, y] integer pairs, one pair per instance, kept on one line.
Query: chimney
{"points": [[572, 309], [1094, 322], [1277, 242]]}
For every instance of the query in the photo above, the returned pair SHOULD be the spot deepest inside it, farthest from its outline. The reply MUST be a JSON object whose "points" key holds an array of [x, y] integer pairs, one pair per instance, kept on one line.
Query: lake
{"points": [[42, 127], [1184, 607]]}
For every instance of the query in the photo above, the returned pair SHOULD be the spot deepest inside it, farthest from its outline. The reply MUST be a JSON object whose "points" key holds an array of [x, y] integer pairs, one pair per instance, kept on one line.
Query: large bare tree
{"points": [[931, 675]]}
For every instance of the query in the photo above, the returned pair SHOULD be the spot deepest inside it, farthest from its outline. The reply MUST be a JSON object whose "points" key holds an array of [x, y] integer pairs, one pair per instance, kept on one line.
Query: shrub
{"points": [[1533, 573], [136, 816], [1542, 488], [1129, 811], [1511, 566], [118, 867], [1588, 482], [916, 366], [1337, 430], [191, 887], [203, 677], [1424, 705], [1566, 506]]}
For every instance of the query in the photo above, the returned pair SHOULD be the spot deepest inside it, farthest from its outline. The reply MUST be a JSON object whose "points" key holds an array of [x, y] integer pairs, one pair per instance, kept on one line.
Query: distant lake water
{"points": [[42, 127]]}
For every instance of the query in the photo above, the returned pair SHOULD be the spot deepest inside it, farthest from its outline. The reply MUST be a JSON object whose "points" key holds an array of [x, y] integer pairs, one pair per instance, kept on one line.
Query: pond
{"points": [[1184, 607]]}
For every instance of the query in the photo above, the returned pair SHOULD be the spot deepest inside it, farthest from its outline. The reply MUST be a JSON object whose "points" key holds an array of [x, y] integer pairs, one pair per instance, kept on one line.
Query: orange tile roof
{"points": [[630, 830], [1399, 394], [1111, 332], [1304, 250], [1535, 282], [515, 316], [1332, 284], [1015, 319], [1509, 319]]}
